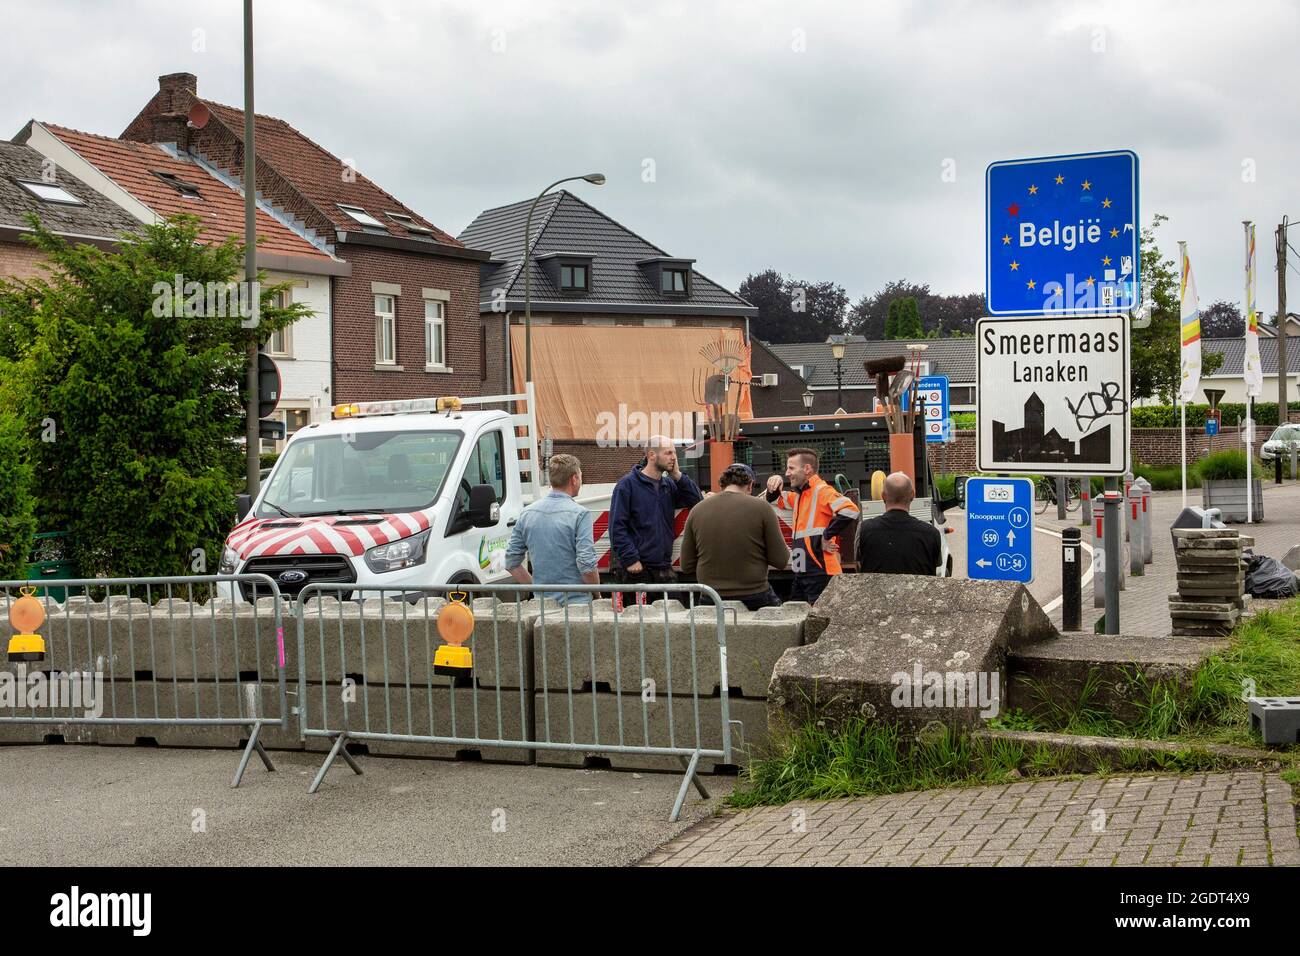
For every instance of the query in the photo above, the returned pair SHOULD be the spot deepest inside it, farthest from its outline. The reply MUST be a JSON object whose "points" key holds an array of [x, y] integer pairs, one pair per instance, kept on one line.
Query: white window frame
{"points": [[359, 215], [50, 192], [436, 322], [286, 334], [386, 321]]}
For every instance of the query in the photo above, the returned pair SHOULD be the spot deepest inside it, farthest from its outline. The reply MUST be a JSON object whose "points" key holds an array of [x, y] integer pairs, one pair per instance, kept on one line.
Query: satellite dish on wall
{"points": [[199, 115]]}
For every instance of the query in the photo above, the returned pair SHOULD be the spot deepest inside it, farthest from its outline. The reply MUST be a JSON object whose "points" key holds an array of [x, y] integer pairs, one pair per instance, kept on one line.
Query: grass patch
{"points": [[859, 757]]}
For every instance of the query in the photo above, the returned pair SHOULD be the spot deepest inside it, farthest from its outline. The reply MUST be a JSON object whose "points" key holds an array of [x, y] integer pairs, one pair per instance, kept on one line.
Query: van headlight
{"points": [[400, 554], [229, 561]]}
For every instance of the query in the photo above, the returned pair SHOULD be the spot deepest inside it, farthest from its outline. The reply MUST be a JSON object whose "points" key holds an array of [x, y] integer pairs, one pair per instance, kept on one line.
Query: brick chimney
{"points": [[176, 94]]}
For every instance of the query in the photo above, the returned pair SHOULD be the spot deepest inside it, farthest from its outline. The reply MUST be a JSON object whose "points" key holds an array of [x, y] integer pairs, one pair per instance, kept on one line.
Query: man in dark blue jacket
{"points": [[641, 515]]}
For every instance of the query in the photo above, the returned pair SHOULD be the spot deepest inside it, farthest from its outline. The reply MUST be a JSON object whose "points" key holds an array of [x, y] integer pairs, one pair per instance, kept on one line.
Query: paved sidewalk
{"points": [[1242, 818], [1144, 602]]}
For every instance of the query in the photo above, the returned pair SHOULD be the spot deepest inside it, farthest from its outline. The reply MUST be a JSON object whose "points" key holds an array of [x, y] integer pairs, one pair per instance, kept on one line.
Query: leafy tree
{"points": [[1156, 351], [790, 310], [140, 391], [907, 324], [17, 506], [1222, 320], [940, 314]]}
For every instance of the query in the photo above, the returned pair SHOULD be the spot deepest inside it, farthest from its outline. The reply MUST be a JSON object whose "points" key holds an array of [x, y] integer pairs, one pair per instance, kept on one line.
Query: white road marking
{"points": [[1084, 581]]}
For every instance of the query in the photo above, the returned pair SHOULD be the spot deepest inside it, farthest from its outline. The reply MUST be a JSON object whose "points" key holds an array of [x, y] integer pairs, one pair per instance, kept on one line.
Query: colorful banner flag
{"points": [[1190, 321], [1252, 371]]}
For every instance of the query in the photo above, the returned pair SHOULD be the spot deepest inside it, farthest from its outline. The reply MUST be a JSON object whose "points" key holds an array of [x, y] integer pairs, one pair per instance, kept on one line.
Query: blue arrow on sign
{"points": [[1062, 235], [1000, 529]]}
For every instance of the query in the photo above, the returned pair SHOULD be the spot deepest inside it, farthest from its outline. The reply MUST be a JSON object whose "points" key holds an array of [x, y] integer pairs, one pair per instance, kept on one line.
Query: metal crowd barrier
{"points": [[541, 678], [152, 655]]}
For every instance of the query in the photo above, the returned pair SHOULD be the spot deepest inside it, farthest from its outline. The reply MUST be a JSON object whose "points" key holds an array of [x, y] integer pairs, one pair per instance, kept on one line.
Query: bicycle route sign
{"points": [[1000, 529], [1052, 395]]}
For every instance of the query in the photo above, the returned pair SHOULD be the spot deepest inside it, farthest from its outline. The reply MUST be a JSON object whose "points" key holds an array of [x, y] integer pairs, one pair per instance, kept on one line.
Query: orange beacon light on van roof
{"points": [[26, 614]]}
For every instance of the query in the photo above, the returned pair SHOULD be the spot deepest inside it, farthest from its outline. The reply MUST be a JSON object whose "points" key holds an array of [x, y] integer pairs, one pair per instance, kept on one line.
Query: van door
{"points": [[486, 547]]}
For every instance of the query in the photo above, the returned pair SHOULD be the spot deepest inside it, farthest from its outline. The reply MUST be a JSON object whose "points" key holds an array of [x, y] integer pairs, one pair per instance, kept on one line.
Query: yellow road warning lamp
{"points": [[26, 615], [455, 625]]}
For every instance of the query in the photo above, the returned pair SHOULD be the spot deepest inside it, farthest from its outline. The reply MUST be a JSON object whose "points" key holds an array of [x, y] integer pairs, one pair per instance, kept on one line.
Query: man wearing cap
{"points": [[731, 539]]}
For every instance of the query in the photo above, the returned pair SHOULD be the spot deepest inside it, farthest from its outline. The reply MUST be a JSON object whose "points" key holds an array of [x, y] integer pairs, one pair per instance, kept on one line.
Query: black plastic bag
{"points": [[1269, 578]]}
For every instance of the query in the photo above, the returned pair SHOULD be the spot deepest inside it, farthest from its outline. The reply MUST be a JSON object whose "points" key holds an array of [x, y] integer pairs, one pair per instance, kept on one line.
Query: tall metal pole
{"points": [[1282, 416], [251, 434], [839, 383]]}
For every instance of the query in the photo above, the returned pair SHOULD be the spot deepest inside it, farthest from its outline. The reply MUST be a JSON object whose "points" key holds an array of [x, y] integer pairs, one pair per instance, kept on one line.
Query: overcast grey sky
{"points": [[808, 137]]}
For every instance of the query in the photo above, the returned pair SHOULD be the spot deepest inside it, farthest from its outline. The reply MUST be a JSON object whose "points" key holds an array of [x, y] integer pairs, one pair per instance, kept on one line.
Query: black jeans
{"points": [[646, 576], [809, 587], [752, 602]]}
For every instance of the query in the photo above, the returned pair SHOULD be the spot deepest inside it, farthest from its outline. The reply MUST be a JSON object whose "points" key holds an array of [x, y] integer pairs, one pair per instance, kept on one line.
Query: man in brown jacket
{"points": [[731, 539]]}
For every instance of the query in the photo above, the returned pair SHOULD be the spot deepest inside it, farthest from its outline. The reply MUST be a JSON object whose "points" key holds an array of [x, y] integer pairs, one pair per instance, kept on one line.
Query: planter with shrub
{"points": [[1223, 485]]}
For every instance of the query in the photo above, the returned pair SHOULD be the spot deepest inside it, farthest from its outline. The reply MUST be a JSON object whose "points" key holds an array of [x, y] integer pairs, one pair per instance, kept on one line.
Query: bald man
{"points": [[895, 542]]}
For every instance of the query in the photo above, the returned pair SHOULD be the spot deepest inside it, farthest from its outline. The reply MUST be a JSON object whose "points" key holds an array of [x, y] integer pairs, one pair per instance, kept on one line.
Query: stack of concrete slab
{"points": [[1211, 581]]}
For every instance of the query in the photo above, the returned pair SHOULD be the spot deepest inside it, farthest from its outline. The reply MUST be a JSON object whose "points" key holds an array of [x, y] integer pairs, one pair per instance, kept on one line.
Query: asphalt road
{"points": [[125, 806]]}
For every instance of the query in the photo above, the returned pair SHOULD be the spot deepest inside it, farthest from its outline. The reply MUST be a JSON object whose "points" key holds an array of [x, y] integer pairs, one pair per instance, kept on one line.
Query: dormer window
{"points": [[673, 281], [569, 272], [188, 190], [363, 217], [573, 278]]}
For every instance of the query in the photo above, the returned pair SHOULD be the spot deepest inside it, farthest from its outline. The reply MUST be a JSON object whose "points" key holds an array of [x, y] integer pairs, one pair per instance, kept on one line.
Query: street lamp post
{"points": [[837, 350], [597, 179]]}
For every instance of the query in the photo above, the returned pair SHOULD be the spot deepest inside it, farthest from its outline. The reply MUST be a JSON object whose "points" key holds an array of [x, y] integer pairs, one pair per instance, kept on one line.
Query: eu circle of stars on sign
{"points": [[1063, 235]]}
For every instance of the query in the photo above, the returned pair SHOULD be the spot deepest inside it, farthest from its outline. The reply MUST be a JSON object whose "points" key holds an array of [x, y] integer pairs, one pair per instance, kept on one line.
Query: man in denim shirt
{"points": [[556, 532]]}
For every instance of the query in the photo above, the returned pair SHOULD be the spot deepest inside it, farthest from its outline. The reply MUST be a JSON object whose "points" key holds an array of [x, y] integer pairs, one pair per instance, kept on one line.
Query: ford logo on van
{"points": [[292, 577]]}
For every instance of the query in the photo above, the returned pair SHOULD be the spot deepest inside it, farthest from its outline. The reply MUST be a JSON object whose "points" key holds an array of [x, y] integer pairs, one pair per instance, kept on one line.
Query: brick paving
{"points": [[1243, 818]]}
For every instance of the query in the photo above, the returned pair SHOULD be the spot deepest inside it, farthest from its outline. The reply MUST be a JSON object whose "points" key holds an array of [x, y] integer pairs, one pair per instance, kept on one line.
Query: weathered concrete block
{"points": [[1277, 719], [1049, 677], [881, 635], [595, 718], [679, 652]]}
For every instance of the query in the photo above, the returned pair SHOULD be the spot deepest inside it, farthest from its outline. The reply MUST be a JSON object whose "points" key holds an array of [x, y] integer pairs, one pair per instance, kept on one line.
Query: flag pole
{"points": [[1250, 398], [1182, 431]]}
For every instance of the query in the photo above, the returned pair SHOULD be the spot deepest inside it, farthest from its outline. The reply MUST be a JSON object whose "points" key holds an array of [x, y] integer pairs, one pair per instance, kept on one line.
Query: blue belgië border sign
{"points": [[1000, 529], [1061, 235]]}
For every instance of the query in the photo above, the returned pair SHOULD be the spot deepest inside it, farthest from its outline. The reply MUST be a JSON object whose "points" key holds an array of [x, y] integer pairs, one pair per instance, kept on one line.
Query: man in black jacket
{"points": [[895, 542]]}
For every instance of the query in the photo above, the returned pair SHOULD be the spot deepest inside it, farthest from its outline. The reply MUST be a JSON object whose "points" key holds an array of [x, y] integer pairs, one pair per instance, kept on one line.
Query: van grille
{"points": [[320, 569]]}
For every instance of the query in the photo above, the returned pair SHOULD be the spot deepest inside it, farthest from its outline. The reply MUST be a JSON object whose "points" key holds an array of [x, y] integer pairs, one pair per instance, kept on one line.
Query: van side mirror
{"points": [[483, 510], [243, 505]]}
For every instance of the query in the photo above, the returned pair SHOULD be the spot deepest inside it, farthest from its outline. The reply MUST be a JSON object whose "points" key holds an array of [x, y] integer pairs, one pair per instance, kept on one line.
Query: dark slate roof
{"points": [[563, 223], [99, 218], [952, 357], [1234, 354]]}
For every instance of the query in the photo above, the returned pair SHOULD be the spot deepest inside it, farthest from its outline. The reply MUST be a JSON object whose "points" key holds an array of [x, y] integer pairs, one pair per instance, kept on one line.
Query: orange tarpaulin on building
{"points": [[624, 383]]}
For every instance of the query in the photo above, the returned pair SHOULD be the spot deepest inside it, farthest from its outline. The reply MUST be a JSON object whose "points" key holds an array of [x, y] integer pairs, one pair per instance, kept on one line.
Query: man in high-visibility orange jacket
{"points": [[820, 513]]}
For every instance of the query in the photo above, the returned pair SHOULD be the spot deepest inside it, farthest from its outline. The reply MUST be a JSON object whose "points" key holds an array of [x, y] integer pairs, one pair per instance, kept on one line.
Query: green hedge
{"points": [[17, 500]]}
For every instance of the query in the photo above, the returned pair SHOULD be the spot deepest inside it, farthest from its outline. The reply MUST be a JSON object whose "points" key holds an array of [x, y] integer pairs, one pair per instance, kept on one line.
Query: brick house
{"points": [[406, 318], [32, 184], [149, 182], [618, 325]]}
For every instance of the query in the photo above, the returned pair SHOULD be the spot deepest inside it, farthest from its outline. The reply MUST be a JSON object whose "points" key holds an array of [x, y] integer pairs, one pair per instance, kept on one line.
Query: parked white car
{"points": [[1284, 440]]}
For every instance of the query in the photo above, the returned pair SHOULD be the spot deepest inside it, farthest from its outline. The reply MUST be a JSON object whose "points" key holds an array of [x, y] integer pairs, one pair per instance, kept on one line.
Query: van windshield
{"points": [[360, 472]]}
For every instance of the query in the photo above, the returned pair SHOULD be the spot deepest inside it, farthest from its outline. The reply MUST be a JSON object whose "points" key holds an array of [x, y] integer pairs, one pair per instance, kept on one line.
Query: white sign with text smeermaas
{"points": [[1052, 395]]}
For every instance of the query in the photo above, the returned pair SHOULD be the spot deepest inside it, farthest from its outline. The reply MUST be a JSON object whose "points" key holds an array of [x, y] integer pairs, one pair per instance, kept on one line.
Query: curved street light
{"points": [[596, 179]]}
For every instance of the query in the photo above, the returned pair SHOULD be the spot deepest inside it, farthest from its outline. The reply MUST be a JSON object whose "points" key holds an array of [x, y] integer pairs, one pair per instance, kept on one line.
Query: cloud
{"points": [[809, 137]]}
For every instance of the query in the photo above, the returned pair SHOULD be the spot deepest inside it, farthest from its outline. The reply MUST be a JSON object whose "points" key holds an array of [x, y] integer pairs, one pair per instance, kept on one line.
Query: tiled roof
{"points": [[220, 209], [319, 175], [565, 223], [98, 217], [953, 357], [1234, 354]]}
